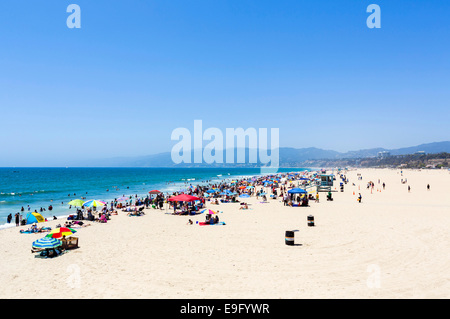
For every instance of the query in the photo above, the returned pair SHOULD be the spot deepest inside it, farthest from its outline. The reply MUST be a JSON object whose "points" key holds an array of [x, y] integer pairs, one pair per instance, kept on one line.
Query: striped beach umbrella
{"points": [[60, 232], [208, 211], [46, 242], [94, 203]]}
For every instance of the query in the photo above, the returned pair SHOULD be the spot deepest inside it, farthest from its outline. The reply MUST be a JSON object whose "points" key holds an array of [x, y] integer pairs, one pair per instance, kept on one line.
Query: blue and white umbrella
{"points": [[244, 196], [46, 242]]}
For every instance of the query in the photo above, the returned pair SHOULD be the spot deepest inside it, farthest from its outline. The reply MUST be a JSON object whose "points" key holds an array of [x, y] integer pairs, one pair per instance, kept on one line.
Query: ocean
{"points": [[42, 187]]}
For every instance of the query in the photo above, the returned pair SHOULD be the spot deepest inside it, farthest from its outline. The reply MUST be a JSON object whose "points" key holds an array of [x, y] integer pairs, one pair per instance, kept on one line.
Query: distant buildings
{"points": [[383, 154]]}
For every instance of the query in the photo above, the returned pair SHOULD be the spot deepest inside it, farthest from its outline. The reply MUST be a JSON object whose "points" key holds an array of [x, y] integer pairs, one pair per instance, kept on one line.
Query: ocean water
{"points": [[42, 187]]}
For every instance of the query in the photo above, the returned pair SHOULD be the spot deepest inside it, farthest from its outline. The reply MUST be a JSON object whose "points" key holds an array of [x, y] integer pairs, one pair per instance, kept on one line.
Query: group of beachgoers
{"points": [[235, 191], [214, 193]]}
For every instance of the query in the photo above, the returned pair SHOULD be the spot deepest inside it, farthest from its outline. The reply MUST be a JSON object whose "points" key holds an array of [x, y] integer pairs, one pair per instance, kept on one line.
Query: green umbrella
{"points": [[76, 202]]}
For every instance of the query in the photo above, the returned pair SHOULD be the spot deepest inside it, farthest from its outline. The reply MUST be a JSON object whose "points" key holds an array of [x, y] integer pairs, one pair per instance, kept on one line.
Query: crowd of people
{"points": [[214, 193]]}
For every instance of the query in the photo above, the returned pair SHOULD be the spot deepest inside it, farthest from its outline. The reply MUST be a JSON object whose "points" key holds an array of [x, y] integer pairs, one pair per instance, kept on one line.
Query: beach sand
{"points": [[395, 244]]}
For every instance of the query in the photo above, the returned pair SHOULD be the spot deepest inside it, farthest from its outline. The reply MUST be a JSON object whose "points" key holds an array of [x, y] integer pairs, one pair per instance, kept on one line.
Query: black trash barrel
{"points": [[289, 237], [310, 220]]}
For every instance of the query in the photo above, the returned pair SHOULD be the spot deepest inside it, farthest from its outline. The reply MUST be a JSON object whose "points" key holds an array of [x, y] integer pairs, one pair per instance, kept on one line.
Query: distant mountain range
{"points": [[289, 157]]}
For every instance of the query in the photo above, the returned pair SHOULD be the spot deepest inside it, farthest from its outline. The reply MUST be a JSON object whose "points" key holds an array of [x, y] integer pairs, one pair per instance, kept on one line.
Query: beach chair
{"points": [[70, 243]]}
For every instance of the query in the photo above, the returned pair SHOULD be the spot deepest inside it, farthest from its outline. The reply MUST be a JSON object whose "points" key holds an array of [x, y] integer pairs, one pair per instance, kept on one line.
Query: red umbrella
{"points": [[60, 232], [183, 198], [155, 191]]}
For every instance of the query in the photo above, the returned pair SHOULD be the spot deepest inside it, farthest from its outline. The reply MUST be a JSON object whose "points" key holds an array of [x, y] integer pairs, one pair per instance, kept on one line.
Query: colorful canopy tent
{"points": [[34, 218], [183, 198], [297, 191]]}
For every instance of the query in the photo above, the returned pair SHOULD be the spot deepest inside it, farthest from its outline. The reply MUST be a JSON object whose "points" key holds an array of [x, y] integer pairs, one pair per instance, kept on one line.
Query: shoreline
{"points": [[166, 190]]}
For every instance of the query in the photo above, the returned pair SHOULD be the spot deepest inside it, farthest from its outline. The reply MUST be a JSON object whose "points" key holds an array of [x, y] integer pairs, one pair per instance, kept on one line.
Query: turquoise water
{"points": [[42, 187]]}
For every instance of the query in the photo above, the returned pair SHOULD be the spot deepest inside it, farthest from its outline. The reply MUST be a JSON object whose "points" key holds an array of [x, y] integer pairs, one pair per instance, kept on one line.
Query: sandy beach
{"points": [[394, 244]]}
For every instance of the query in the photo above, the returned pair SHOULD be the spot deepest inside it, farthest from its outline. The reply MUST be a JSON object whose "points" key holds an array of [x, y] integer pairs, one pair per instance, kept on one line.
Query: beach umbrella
{"points": [[76, 202], [46, 242], [94, 203], [261, 194], [60, 232], [123, 198], [155, 191], [209, 211], [34, 218], [248, 187], [244, 196], [210, 191]]}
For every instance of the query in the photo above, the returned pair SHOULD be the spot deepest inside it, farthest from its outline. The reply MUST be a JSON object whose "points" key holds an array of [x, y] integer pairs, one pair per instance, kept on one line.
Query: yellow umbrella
{"points": [[76, 202]]}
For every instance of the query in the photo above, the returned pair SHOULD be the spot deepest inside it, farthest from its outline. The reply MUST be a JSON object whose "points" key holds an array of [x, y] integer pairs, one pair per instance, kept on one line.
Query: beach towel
{"points": [[205, 224]]}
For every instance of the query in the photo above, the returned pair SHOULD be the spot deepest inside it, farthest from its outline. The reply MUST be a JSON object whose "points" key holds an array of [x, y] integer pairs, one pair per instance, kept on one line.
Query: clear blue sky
{"points": [[136, 70]]}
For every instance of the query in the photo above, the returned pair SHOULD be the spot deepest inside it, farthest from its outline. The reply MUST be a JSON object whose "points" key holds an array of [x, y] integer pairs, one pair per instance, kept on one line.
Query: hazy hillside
{"points": [[289, 157]]}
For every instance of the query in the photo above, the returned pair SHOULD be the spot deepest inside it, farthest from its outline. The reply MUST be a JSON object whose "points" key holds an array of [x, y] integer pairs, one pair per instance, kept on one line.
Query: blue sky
{"points": [[137, 70]]}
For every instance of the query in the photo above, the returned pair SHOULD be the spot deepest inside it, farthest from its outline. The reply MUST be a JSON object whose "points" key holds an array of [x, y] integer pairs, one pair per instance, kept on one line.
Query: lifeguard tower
{"points": [[326, 183]]}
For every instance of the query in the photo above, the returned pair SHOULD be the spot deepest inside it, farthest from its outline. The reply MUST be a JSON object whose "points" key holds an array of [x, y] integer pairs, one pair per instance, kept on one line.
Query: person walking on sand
{"points": [[409, 189], [428, 187], [359, 198]]}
